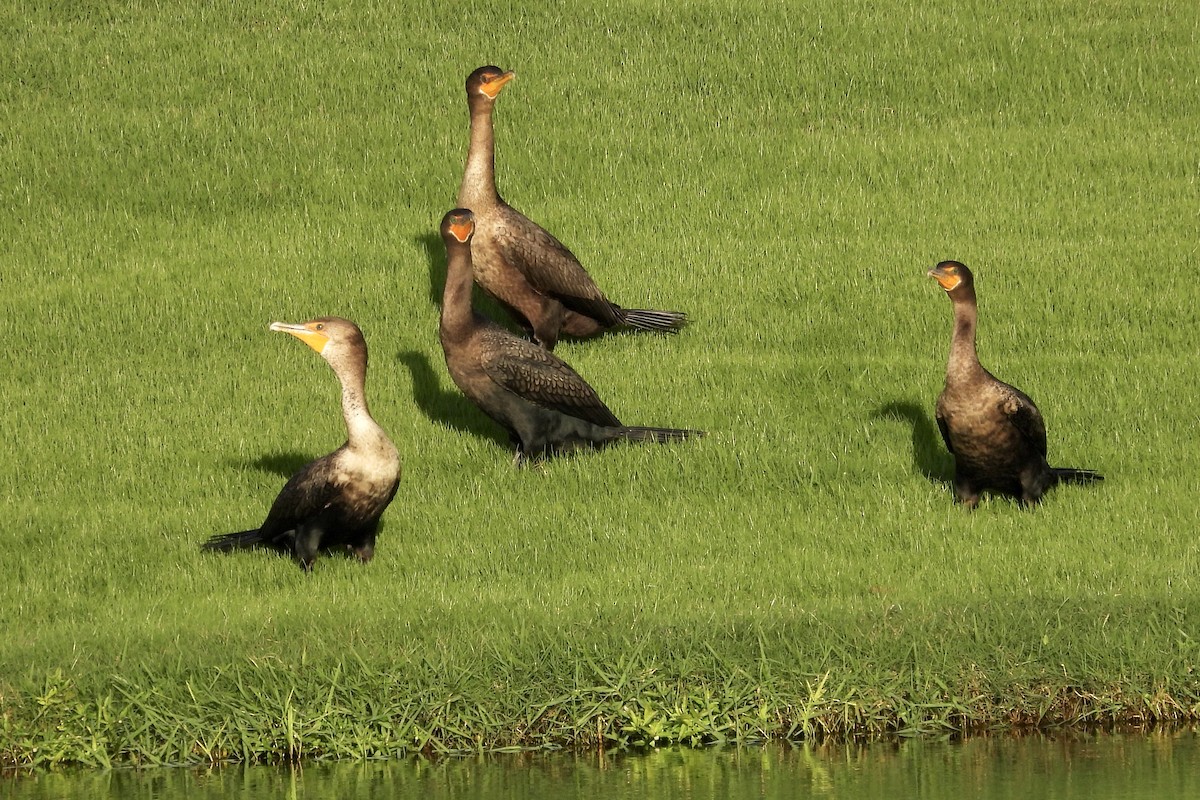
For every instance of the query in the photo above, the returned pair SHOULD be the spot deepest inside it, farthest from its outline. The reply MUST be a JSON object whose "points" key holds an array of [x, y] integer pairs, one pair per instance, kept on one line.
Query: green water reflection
{"points": [[1097, 767]]}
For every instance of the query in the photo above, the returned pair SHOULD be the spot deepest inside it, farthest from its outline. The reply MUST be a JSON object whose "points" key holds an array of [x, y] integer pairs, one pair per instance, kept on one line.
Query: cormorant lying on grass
{"points": [[543, 403], [994, 430], [339, 498], [519, 263]]}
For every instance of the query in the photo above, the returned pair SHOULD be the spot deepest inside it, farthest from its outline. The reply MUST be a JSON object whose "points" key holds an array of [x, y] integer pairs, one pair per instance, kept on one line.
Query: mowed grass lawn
{"points": [[176, 176]]}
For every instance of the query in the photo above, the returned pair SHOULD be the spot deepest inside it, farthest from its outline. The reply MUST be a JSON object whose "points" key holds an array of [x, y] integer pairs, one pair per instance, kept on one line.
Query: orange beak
{"points": [[946, 280], [462, 229], [306, 333], [493, 87]]}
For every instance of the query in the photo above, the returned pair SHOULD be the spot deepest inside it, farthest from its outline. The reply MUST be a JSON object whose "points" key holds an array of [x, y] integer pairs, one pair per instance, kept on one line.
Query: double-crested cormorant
{"points": [[994, 430], [519, 263], [338, 499], [543, 403]]}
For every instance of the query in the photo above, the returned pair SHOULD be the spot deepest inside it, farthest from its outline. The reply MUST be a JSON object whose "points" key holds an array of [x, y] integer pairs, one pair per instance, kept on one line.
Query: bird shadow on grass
{"points": [[435, 255], [448, 408], [930, 457], [284, 465]]}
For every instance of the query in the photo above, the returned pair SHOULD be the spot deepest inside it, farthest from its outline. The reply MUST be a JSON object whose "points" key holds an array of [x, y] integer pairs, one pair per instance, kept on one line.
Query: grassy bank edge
{"points": [[266, 712]]}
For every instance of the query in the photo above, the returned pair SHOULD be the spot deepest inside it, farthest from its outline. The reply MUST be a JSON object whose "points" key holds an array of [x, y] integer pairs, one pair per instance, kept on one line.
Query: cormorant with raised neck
{"points": [[338, 499], [545, 405], [994, 431], [521, 265]]}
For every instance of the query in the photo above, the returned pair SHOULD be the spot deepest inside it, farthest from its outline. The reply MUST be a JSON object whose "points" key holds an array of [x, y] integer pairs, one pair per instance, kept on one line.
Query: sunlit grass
{"points": [[180, 177]]}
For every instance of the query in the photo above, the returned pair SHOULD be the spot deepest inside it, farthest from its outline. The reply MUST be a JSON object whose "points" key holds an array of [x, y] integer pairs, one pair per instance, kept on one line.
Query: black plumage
{"points": [[338, 499], [543, 403], [519, 263], [994, 430]]}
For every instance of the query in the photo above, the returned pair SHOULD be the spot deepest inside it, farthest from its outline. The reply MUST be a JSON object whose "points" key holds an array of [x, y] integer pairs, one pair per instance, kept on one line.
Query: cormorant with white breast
{"points": [[338, 499]]}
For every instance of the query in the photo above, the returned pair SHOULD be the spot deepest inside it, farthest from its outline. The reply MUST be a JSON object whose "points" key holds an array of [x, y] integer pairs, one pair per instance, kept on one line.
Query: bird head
{"points": [[952, 275], [330, 337], [487, 82], [458, 226]]}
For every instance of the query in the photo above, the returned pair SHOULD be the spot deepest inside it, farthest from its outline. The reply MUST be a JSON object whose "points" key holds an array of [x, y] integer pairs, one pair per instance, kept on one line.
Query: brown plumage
{"points": [[338, 499], [535, 395], [994, 430], [521, 265]]}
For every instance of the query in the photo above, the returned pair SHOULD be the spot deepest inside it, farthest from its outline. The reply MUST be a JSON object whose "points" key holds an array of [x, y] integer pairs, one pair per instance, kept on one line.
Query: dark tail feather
{"points": [[233, 541], [1072, 475], [645, 319], [637, 433]]}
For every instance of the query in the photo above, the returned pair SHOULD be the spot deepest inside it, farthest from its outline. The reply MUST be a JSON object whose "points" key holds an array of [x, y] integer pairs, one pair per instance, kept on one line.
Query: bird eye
{"points": [[320, 326]]}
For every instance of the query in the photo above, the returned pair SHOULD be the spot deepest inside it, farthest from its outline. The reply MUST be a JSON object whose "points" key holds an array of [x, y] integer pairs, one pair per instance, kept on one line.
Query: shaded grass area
{"points": [[182, 176]]}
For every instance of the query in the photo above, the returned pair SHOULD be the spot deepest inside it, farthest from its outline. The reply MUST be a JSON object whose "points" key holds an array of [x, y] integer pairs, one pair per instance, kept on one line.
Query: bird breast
{"points": [[369, 478], [487, 261], [979, 428]]}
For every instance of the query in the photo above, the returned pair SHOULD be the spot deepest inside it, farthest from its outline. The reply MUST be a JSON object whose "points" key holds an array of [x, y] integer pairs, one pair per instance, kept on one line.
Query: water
{"points": [[1096, 767]]}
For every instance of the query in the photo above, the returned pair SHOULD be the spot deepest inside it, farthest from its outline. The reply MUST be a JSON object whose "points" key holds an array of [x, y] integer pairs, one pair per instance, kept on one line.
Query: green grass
{"points": [[177, 176]]}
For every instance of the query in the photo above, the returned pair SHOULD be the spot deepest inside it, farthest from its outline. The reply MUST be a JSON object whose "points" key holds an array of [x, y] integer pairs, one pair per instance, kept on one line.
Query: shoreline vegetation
{"points": [[270, 710], [178, 175], [255, 715]]}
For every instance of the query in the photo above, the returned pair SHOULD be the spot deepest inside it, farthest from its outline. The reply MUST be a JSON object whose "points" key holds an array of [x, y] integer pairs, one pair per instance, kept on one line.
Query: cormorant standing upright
{"points": [[521, 265], [338, 499], [994, 430]]}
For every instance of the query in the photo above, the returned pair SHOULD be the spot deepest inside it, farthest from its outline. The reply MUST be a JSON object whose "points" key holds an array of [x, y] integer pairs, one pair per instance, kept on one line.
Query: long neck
{"points": [[457, 316], [361, 428], [478, 187], [964, 363]]}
